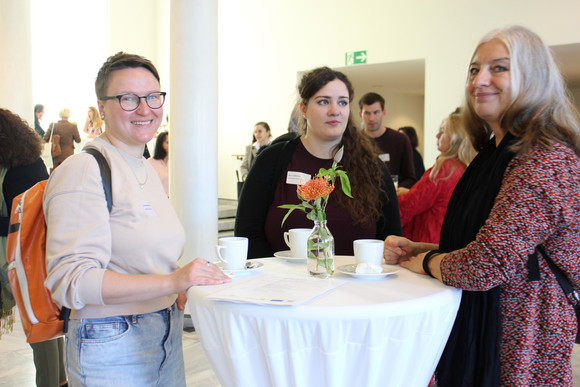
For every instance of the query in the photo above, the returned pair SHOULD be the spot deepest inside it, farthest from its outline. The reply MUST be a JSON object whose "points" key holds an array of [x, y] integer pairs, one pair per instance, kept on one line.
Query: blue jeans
{"points": [[138, 350]]}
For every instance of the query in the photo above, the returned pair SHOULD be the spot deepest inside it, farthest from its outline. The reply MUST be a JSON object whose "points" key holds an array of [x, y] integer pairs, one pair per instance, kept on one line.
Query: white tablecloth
{"points": [[389, 332]]}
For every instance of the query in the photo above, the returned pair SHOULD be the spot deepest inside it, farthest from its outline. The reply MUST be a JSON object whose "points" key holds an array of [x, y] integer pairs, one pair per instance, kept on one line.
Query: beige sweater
{"points": [[142, 235]]}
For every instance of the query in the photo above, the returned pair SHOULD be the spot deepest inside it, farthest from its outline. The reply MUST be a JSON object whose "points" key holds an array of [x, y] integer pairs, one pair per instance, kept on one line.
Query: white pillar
{"points": [[193, 122], [16, 63]]}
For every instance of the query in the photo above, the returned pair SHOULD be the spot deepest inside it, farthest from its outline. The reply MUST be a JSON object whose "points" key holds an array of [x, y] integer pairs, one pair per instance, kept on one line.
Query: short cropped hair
{"points": [[119, 61], [64, 113], [369, 99]]}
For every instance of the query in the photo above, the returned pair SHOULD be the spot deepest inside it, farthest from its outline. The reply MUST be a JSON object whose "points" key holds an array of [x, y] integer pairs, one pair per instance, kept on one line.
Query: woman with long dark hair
{"points": [[260, 140], [327, 125], [160, 159]]}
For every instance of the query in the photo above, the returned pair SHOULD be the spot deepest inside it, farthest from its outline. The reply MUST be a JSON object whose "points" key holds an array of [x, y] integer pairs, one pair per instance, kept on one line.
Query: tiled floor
{"points": [[17, 368]]}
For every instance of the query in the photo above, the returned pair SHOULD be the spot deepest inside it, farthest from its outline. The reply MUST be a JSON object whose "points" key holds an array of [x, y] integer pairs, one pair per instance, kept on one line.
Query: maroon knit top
{"points": [[339, 222]]}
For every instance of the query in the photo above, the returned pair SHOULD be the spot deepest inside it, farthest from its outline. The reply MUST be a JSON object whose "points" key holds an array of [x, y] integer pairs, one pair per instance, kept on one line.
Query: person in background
{"points": [[292, 131], [160, 159], [396, 149], [93, 123], [260, 140], [68, 132], [117, 271], [514, 326], [327, 125], [423, 207], [38, 113], [21, 167], [417, 158]]}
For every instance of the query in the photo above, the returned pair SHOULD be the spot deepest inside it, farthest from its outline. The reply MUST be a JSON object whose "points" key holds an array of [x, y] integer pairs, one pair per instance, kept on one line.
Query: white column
{"points": [[16, 63], [193, 122]]}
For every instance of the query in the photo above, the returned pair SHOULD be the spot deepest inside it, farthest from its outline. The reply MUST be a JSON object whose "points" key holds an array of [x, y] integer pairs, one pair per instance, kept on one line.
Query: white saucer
{"points": [[351, 270], [251, 267], [287, 255]]}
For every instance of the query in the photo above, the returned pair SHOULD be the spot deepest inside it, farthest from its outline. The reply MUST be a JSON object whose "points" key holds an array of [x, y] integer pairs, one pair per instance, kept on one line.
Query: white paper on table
{"points": [[272, 289]]}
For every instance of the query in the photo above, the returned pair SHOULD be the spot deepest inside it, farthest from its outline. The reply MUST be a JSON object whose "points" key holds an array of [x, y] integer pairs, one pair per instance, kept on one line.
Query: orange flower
{"points": [[315, 188]]}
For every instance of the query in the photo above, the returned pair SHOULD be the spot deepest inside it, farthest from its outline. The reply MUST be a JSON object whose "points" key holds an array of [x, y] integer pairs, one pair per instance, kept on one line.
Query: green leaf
{"points": [[291, 207], [323, 172], [344, 183]]}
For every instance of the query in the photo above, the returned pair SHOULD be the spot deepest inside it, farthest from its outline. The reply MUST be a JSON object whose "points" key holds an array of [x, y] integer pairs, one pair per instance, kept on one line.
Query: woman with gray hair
{"points": [[67, 132], [515, 209]]}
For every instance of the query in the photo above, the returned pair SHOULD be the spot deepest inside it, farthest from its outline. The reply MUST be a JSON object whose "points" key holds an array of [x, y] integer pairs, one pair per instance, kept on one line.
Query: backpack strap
{"points": [[534, 275], [105, 174], [571, 294], [106, 179]]}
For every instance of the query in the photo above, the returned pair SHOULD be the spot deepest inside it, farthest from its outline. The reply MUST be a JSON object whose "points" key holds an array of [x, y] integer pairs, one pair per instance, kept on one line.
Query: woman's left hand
{"points": [[198, 272]]}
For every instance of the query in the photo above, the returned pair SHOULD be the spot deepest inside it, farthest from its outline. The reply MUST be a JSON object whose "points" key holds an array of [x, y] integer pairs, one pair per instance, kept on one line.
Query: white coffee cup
{"points": [[297, 240], [369, 251], [233, 252]]}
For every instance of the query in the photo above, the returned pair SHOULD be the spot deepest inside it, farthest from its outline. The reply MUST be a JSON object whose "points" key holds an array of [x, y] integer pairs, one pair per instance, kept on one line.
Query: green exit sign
{"points": [[356, 57]]}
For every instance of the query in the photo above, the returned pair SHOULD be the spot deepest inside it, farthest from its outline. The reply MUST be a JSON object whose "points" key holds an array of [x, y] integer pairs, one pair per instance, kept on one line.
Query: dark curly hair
{"points": [[19, 143], [360, 159]]}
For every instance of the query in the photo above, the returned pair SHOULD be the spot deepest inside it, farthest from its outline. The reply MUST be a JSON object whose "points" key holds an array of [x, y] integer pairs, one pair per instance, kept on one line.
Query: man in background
{"points": [[396, 148]]}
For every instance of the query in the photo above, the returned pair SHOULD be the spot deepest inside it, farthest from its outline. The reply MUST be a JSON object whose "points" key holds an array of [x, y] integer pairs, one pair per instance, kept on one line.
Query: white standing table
{"points": [[386, 332]]}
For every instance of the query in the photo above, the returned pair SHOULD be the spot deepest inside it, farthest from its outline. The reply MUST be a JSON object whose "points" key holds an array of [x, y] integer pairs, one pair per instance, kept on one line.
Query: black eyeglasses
{"points": [[131, 101]]}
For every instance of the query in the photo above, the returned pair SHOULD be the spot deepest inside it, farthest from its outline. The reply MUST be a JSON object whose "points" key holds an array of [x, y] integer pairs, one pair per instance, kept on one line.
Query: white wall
{"points": [[263, 44], [405, 110], [69, 46]]}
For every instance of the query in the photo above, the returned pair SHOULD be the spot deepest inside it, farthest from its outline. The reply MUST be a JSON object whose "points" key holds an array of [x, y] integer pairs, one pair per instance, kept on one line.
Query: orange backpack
{"points": [[26, 255]]}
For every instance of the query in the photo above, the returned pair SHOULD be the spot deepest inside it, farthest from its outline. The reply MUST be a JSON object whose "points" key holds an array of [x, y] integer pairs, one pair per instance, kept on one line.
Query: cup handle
{"points": [[217, 250], [287, 238]]}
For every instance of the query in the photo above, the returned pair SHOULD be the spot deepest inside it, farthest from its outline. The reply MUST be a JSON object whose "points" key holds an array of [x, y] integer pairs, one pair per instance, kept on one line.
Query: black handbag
{"points": [[571, 295]]}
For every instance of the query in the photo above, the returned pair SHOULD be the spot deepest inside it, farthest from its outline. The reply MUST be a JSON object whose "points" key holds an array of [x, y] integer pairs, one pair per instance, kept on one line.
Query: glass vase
{"points": [[320, 251]]}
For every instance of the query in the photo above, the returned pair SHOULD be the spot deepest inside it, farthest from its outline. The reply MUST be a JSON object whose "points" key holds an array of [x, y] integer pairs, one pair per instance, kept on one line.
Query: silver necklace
{"points": [[141, 184]]}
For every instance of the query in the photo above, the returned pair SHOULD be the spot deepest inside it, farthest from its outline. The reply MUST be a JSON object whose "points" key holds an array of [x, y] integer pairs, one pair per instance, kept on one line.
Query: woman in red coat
{"points": [[423, 206]]}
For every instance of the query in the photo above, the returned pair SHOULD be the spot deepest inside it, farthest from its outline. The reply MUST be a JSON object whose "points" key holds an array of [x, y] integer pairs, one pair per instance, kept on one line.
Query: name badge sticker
{"points": [[297, 178], [149, 210], [385, 157]]}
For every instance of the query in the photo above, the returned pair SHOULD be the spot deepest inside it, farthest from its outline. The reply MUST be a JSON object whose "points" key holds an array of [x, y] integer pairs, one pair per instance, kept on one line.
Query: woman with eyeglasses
{"points": [[117, 271]]}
